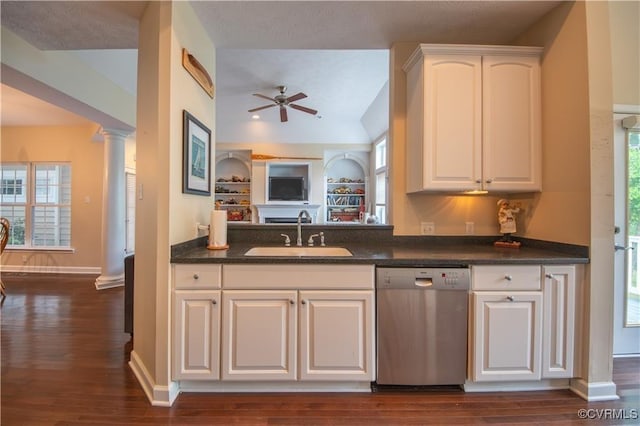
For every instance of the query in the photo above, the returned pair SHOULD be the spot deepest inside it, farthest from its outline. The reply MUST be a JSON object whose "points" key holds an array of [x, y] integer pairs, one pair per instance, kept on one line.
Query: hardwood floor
{"points": [[64, 362]]}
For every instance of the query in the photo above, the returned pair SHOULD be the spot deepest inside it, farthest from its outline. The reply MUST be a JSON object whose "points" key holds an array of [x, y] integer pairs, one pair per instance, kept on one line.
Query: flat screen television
{"points": [[286, 188]]}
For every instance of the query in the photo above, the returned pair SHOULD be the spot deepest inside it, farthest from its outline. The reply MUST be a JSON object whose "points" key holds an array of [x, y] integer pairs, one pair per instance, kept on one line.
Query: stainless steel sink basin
{"points": [[299, 251]]}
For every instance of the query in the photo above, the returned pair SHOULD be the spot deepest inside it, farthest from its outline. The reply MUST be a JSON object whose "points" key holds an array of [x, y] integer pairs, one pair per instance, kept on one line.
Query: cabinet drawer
{"points": [[195, 276], [505, 277]]}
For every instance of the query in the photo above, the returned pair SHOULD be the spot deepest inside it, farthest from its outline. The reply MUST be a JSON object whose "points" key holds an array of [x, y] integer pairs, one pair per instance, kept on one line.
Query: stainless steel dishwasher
{"points": [[422, 325]]}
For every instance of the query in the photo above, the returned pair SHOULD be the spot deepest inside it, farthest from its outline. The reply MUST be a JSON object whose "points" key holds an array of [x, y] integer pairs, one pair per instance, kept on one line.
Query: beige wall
{"points": [[624, 17], [63, 144], [561, 211], [164, 215]]}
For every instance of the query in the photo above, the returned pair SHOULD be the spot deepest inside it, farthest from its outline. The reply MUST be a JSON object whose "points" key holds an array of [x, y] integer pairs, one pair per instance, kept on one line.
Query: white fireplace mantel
{"points": [[285, 211]]}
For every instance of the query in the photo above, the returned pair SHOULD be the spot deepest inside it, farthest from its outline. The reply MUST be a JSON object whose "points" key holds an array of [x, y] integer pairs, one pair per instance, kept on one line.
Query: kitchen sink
{"points": [[299, 251]]}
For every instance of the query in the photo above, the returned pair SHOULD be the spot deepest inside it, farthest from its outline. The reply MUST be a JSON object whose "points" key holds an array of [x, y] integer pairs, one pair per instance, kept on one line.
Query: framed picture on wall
{"points": [[196, 154]]}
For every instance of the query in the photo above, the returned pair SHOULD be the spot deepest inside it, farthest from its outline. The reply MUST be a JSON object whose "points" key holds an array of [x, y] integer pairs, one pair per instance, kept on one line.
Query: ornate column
{"points": [[113, 210]]}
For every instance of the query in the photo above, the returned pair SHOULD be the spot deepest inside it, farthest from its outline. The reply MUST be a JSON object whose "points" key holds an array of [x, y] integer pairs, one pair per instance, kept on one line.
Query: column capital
{"points": [[115, 133]]}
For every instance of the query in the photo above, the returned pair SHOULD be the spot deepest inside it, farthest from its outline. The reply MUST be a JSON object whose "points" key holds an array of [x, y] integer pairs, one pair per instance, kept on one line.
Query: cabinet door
{"points": [[259, 335], [336, 335], [196, 336], [507, 336], [558, 321], [511, 123], [452, 124]]}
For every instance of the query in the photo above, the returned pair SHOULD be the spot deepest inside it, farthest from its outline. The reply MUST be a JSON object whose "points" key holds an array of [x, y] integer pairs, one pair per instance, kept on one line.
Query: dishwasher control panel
{"points": [[423, 278]]}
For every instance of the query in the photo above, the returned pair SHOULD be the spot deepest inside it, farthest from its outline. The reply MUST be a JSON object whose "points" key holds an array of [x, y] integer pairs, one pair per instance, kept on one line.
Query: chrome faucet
{"points": [[302, 213]]}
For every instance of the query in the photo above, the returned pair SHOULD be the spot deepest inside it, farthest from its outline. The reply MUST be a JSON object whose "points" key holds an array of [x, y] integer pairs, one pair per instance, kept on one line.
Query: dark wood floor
{"points": [[64, 362]]}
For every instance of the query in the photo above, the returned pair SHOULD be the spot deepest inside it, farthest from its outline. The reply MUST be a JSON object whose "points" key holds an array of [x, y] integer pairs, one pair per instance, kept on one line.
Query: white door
{"points": [[507, 336], [336, 335], [453, 122], [259, 335], [626, 322], [196, 335], [559, 300], [511, 139]]}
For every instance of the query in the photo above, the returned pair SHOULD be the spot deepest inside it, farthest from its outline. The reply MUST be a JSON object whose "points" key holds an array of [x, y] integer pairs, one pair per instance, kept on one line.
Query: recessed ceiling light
{"points": [[255, 117]]}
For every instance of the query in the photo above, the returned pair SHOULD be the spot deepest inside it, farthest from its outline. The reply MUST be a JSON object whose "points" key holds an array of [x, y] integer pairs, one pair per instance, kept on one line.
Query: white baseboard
{"points": [[159, 396], [51, 269], [518, 386], [273, 386], [594, 391], [104, 282]]}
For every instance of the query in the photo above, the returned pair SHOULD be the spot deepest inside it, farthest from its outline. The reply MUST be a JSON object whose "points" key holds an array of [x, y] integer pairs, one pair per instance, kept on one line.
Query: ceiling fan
{"points": [[283, 101]]}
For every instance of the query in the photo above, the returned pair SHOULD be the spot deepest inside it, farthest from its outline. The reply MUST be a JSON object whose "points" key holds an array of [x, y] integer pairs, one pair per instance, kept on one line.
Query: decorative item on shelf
{"points": [[235, 215], [507, 221], [342, 190], [198, 72], [361, 212], [218, 229]]}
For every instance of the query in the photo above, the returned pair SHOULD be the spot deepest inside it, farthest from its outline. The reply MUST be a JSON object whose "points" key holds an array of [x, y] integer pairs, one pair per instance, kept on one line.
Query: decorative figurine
{"points": [[507, 221]]}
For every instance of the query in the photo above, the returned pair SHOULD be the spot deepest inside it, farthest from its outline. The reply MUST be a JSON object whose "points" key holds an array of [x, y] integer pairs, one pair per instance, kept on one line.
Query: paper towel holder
{"points": [[211, 246]]}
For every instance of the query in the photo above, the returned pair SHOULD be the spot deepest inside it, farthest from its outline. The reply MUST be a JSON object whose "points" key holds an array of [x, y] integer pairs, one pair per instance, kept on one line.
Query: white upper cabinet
{"points": [[511, 126], [473, 119]]}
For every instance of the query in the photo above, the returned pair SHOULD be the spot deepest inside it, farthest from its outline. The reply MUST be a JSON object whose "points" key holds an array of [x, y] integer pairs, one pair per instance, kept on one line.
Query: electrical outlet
{"points": [[24, 258], [469, 228], [428, 228]]}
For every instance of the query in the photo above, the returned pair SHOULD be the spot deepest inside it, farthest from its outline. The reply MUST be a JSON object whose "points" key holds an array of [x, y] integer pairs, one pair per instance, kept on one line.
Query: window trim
{"points": [[384, 171]]}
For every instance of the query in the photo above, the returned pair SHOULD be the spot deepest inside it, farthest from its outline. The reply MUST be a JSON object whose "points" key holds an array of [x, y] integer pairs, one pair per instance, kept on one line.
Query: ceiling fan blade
{"points": [[262, 107], [283, 114], [296, 97], [304, 109], [264, 97]]}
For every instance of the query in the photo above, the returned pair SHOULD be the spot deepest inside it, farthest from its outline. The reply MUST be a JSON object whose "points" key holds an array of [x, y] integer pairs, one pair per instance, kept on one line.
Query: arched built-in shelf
{"points": [[346, 188], [233, 185]]}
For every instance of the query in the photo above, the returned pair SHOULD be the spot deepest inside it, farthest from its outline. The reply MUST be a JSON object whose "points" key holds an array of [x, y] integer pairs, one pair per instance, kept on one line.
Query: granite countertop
{"points": [[383, 249]]}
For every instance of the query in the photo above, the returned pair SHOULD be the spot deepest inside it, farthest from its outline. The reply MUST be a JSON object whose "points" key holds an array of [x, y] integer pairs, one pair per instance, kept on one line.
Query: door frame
{"points": [[626, 340]]}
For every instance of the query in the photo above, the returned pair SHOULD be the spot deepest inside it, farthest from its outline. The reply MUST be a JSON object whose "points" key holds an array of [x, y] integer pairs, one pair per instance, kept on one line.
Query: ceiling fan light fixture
{"points": [[283, 101], [255, 117]]}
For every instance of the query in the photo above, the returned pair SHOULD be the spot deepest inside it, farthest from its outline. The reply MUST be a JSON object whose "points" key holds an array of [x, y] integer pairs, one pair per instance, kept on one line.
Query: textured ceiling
{"points": [[364, 24], [318, 47]]}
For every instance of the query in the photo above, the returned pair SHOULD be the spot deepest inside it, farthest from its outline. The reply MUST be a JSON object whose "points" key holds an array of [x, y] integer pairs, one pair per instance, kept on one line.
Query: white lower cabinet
{"points": [[196, 322], [259, 335], [267, 334], [522, 322], [196, 345], [336, 335], [558, 336], [507, 335], [276, 322]]}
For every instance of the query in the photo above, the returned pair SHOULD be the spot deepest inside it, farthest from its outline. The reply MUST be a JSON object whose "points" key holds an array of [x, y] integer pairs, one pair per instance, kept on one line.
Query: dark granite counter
{"points": [[377, 245]]}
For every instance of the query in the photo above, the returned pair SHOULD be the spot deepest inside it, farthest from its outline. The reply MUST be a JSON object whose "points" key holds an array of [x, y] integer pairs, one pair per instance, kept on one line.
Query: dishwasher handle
{"points": [[423, 282]]}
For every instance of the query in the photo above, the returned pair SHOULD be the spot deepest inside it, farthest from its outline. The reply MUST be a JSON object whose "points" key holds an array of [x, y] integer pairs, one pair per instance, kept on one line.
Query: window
{"points": [[36, 199], [381, 180]]}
